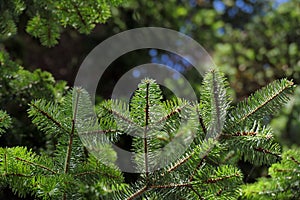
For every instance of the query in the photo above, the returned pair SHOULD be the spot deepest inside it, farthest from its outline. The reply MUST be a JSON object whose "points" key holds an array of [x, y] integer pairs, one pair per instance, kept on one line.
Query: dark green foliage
{"points": [[21, 86], [48, 18], [283, 182], [17, 88], [5, 121]]}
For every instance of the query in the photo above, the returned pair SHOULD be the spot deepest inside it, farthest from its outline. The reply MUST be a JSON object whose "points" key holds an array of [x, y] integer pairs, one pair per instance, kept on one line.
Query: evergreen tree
{"points": [[217, 136]]}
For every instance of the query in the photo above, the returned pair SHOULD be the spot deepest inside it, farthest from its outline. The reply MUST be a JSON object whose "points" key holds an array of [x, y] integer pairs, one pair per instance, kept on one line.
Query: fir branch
{"points": [[5, 161], [95, 132], [119, 115], [168, 116], [79, 14], [239, 134], [96, 172], [48, 116], [268, 100], [217, 100], [196, 192], [198, 165], [180, 162], [17, 175], [285, 170], [71, 135], [201, 162], [214, 102], [261, 102], [201, 122], [190, 155], [171, 185], [215, 180], [282, 181], [35, 164], [266, 151], [146, 130], [138, 193], [296, 161]]}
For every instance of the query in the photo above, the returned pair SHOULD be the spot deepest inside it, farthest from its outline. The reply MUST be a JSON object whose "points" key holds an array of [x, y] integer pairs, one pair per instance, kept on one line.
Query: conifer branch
{"points": [[295, 161], [96, 172], [217, 100], [198, 166], [138, 193], [200, 162], [239, 134], [264, 103], [168, 116], [71, 135], [214, 180], [180, 162], [146, 131], [35, 164], [95, 132], [57, 123], [201, 122], [17, 175], [171, 185], [196, 192], [282, 87], [119, 115], [79, 14], [5, 161], [266, 151]]}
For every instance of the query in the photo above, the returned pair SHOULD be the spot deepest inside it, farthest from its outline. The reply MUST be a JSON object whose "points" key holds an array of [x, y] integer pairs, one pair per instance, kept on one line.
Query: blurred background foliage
{"points": [[253, 42]]}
